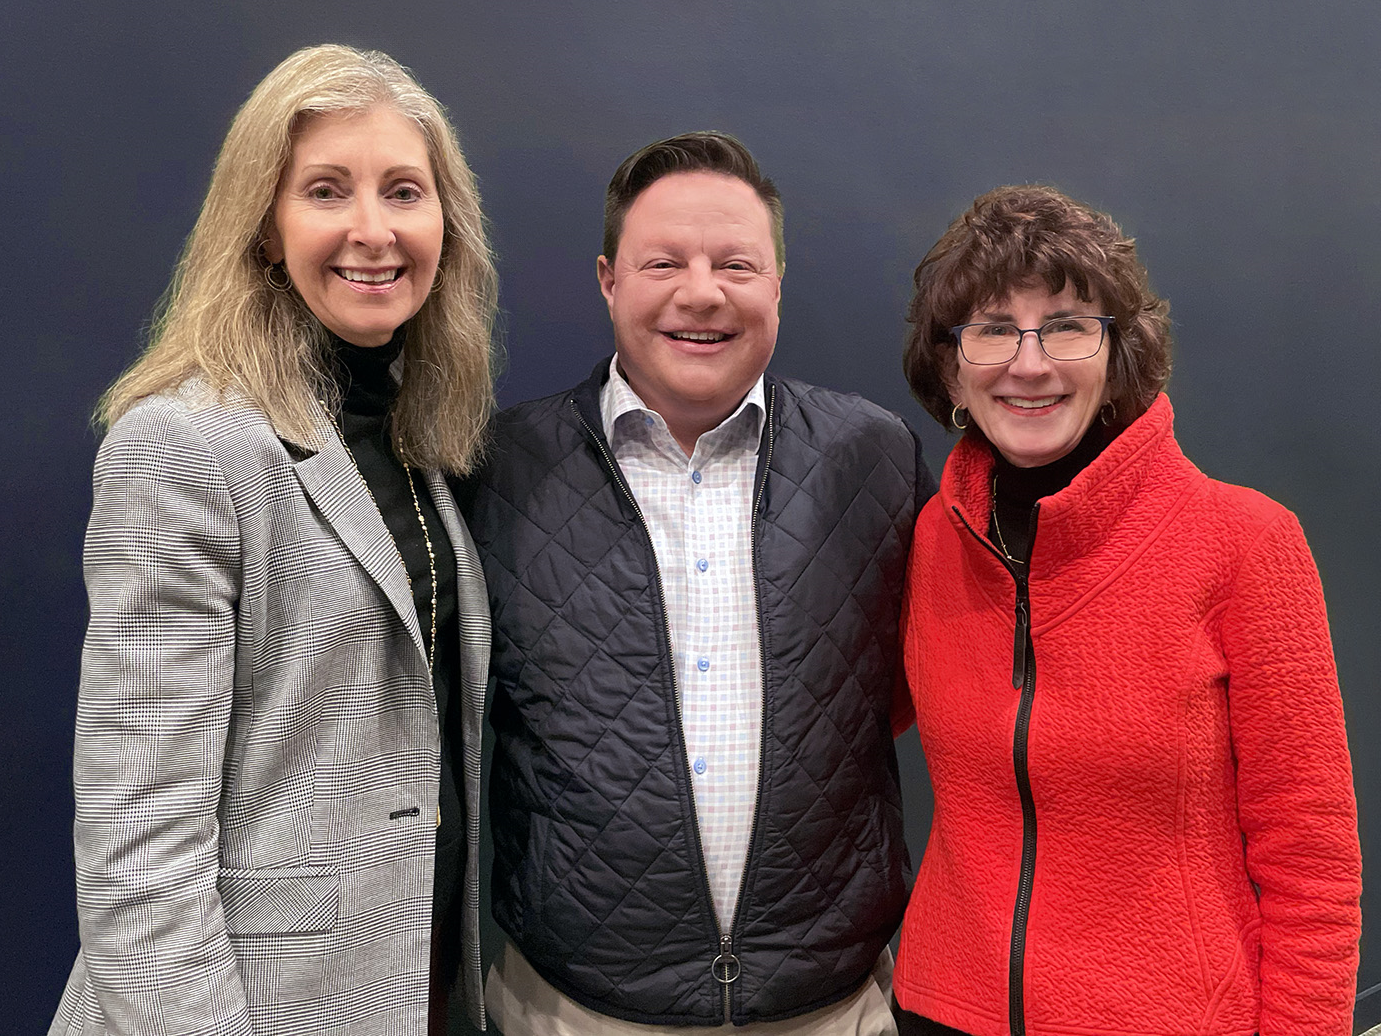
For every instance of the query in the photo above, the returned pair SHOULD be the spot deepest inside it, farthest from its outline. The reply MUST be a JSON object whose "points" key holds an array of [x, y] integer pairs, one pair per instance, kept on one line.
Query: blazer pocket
{"points": [[279, 900]]}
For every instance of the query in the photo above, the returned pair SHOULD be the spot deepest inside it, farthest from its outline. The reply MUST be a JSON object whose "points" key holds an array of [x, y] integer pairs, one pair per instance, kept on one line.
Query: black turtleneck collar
{"points": [[1016, 490], [362, 374], [1024, 486]]}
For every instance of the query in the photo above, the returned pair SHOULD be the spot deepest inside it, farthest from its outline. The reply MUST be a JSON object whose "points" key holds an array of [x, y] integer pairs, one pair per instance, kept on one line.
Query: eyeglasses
{"points": [[1064, 338]]}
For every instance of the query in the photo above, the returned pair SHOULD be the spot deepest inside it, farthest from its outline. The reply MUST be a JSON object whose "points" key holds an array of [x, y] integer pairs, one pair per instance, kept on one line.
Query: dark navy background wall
{"points": [[1239, 142]]}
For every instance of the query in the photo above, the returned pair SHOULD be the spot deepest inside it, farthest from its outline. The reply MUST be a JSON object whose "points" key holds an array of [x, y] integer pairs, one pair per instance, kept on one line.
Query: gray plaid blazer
{"points": [[257, 751]]}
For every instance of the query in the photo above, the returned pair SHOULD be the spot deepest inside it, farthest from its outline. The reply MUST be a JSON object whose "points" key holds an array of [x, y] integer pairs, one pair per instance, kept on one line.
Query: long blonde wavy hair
{"points": [[220, 322]]}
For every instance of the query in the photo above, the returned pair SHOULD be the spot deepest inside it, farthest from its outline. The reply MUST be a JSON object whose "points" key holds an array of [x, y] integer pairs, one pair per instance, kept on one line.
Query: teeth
{"points": [[370, 278], [1031, 404], [698, 336]]}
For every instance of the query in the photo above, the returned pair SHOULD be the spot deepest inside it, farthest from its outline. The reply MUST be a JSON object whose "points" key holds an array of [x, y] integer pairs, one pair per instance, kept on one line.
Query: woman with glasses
{"points": [[1144, 817]]}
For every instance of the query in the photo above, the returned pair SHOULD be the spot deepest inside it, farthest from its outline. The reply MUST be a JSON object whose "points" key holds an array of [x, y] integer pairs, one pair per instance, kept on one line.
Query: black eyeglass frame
{"points": [[1022, 332]]}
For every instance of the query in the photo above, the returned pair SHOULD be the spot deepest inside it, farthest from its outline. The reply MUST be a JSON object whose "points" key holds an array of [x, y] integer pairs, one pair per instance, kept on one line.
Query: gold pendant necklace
{"points": [[997, 526]]}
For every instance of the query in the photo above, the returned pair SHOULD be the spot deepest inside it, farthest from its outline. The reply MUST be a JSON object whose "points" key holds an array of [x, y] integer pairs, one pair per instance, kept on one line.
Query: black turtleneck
{"points": [[1016, 490], [367, 392]]}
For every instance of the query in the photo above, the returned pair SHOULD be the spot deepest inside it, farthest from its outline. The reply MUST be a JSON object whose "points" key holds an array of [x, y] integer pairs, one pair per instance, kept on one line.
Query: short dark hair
{"points": [[702, 151], [1011, 238]]}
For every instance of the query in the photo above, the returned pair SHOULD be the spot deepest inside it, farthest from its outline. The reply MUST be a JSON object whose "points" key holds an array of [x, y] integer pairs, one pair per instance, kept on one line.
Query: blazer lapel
{"points": [[472, 604], [336, 487], [472, 613]]}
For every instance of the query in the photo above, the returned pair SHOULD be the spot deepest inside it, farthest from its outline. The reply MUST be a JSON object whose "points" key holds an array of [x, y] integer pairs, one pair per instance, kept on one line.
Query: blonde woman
{"points": [[277, 752]]}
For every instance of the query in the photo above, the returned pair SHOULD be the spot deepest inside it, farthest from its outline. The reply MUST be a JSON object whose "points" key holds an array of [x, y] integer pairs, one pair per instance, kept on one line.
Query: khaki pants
{"points": [[521, 1003]]}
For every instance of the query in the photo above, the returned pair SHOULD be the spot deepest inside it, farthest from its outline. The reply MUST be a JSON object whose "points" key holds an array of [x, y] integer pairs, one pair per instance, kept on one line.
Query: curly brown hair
{"points": [[1018, 236]]}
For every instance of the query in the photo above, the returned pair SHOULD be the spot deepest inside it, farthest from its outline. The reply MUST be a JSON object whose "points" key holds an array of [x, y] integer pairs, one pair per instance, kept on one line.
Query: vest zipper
{"points": [[1023, 680], [726, 942], [724, 966], [725, 969]]}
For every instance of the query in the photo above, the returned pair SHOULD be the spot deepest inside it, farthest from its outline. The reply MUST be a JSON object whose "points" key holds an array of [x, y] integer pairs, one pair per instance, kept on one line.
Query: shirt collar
{"points": [[617, 399]]}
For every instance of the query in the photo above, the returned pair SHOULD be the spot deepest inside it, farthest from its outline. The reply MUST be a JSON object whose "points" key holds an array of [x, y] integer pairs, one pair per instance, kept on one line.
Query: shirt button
{"points": [[649, 421], [695, 477], [699, 766], [703, 664], [702, 565]]}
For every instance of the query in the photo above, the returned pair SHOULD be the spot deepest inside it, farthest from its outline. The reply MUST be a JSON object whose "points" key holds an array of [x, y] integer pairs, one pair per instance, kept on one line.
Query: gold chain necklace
{"points": [[997, 526], [426, 535]]}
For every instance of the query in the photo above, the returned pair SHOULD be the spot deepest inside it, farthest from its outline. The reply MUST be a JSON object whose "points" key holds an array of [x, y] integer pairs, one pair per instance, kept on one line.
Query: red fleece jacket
{"points": [[1197, 867]]}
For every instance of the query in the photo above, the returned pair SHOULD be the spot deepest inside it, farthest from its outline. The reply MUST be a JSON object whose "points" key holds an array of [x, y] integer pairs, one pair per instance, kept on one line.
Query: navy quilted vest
{"points": [[598, 876]]}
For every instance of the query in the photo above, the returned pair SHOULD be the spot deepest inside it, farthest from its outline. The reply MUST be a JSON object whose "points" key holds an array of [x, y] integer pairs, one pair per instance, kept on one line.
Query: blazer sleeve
{"points": [[162, 565], [1294, 786]]}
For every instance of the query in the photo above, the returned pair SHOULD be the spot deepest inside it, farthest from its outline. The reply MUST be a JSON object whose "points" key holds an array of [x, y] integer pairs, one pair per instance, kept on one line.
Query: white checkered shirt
{"points": [[699, 512]]}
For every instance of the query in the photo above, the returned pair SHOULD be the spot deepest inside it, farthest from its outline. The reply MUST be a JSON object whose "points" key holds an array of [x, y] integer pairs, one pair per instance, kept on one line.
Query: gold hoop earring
{"points": [[954, 417], [277, 285], [1107, 413], [439, 280]]}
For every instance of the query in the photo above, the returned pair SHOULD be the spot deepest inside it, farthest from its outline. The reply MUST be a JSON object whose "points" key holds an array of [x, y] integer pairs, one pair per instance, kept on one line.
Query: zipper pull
{"points": [[725, 966], [725, 969], [1019, 638]]}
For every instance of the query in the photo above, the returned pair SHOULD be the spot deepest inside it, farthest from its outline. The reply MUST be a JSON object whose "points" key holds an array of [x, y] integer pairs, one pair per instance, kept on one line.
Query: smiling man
{"points": [[695, 571]]}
